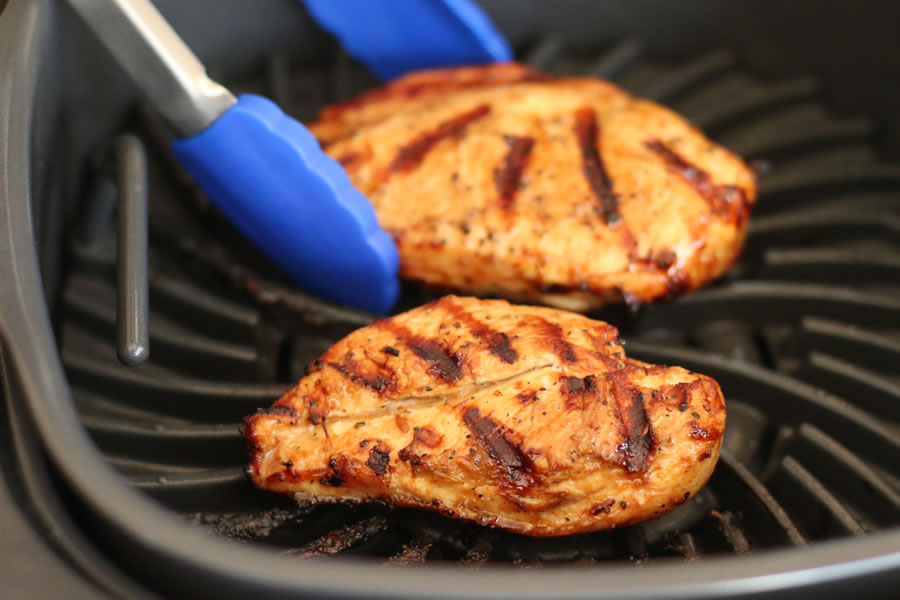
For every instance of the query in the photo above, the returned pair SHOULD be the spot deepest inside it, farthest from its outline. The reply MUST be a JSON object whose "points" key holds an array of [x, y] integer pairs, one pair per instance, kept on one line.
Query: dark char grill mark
{"points": [[578, 386], [640, 434], [725, 201], [444, 364], [410, 155], [497, 341], [354, 372], [574, 389], [508, 176], [502, 451], [635, 450], [587, 134], [553, 334]]}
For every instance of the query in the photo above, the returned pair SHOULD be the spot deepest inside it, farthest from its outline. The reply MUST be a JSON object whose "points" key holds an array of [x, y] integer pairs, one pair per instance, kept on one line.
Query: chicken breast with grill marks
{"points": [[499, 180], [526, 418]]}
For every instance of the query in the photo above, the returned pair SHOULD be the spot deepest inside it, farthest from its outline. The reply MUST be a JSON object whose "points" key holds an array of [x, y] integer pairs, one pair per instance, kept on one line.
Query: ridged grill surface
{"points": [[803, 334]]}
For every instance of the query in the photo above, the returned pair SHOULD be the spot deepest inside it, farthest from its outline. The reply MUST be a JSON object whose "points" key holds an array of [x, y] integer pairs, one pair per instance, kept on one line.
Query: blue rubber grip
{"points": [[393, 37], [266, 172]]}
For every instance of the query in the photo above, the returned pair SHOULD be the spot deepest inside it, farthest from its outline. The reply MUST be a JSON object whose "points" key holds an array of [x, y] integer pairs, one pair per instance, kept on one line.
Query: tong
{"points": [[263, 169]]}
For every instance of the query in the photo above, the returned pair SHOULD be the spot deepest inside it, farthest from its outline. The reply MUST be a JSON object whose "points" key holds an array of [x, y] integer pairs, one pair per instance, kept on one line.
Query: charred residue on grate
{"points": [[808, 365]]}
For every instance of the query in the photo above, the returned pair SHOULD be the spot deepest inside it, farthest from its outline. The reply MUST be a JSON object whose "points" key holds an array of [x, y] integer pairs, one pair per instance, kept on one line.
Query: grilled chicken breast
{"points": [[499, 180], [526, 418]]}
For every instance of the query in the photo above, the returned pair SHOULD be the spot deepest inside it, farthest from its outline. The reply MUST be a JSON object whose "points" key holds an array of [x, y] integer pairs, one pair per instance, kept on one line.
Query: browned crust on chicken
{"points": [[499, 180], [526, 418]]}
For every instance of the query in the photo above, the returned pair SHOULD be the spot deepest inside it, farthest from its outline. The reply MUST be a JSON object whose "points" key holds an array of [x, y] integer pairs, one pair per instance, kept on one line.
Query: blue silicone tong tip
{"points": [[263, 169], [266, 172], [393, 37]]}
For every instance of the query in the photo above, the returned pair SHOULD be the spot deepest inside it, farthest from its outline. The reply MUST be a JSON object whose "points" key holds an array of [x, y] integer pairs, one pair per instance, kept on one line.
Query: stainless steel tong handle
{"points": [[158, 61]]}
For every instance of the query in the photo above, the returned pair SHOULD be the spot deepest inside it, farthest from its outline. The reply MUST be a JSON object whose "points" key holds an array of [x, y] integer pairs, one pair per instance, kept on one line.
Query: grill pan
{"points": [[801, 334]]}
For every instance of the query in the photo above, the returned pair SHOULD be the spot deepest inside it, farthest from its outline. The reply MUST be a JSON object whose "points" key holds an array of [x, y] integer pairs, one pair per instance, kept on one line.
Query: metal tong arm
{"points": [[158, 61]]}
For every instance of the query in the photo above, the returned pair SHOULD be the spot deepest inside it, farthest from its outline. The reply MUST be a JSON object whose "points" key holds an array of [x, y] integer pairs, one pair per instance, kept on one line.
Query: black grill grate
{"points": [[803, 334]]}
